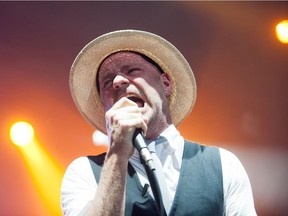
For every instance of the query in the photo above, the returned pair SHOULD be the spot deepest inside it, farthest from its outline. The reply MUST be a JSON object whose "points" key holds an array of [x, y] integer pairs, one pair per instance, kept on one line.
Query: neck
{"points": [[155, 130]]}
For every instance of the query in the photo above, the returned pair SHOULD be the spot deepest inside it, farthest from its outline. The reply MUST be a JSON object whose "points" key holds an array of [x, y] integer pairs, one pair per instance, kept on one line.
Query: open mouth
{"points": [[136, 100]]}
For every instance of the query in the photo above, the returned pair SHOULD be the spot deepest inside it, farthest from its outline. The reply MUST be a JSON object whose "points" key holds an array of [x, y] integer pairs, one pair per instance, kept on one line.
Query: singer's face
{"points": [[127, 74]]}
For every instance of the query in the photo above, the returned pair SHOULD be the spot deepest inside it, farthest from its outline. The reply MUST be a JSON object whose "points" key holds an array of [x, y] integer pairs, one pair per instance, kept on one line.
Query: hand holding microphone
{"points": [[122, 119]]}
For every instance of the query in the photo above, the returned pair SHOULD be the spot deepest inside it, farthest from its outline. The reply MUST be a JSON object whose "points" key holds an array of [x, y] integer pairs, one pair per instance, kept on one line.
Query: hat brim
{"points": [[85, 67]]}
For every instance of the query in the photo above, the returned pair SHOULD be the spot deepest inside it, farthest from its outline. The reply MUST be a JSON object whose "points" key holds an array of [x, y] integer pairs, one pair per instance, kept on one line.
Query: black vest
{"points": [[199, 190]]}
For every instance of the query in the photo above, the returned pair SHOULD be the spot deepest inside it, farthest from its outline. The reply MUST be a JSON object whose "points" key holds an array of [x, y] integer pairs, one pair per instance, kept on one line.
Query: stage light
{"points": [[21, 133], [282, 31], [45, 172]]}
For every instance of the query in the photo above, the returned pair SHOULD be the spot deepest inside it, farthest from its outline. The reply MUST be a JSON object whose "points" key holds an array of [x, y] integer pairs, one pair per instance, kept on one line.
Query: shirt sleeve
{"points": [[78, 187], [238, 197]]}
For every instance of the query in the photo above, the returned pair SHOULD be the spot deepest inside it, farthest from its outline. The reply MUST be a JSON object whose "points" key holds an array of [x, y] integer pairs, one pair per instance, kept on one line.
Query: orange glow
{"points": [[282, 31], [46, 175]]}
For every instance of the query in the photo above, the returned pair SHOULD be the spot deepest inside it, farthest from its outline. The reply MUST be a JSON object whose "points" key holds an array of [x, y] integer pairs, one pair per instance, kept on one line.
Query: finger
{"points": [[144, 126], [123, 102], [126, 122], [122, 112], [129, 119]]}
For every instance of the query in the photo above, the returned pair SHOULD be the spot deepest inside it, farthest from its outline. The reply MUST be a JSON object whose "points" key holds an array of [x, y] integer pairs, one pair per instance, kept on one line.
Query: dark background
{"points": [[240, 67]]}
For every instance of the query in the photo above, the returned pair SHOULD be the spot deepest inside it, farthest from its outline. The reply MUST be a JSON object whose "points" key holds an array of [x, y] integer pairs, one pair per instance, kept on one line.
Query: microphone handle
{"points": [[140, 144]]}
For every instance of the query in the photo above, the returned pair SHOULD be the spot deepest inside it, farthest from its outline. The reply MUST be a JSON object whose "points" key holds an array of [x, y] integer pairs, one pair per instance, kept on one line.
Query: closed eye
{"points": [[107, 83], [134, 71]]}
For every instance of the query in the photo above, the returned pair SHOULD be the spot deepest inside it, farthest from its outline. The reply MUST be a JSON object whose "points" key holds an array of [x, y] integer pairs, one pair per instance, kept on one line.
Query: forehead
{"points": [[120, 58]]}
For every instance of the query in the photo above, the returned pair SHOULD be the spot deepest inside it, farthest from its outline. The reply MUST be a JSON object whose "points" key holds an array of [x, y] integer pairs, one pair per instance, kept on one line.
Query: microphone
{"points": [[140, 144]]}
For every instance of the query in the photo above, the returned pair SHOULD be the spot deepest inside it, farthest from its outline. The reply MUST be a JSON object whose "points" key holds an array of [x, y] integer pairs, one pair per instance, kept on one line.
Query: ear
{"points": [[167, 84]]}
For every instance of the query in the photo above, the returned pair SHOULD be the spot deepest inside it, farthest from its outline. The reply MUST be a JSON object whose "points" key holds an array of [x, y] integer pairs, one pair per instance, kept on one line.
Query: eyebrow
{"points": [[107, 76]]}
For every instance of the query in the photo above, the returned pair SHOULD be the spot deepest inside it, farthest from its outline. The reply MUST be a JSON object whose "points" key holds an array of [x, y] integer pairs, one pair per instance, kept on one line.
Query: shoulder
{"points": [[232, 167], [80, 163], [211, 152], [228, 159], [238, 196], [233, 171], [78, 169], [78, 186]]}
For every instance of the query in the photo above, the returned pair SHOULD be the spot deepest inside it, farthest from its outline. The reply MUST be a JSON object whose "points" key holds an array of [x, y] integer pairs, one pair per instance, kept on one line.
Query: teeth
{"points": [[135, 98], [132, 95]]}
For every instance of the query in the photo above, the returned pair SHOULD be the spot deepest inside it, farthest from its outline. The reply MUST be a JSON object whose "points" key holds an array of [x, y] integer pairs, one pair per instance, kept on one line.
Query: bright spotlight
{"points": [[21, 133], [282, 31], [46, 173]]}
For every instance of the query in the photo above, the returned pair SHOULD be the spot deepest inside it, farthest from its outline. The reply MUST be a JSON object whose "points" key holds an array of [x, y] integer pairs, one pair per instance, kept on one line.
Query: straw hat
{"points": [[85, 67]]}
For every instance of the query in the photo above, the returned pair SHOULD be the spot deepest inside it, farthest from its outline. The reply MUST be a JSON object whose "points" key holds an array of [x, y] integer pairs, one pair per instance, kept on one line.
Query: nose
{"points": [[120, 82]]}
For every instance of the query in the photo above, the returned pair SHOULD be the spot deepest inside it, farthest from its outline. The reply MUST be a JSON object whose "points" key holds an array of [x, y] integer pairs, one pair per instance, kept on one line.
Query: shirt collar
{"points": [[173, 137]]}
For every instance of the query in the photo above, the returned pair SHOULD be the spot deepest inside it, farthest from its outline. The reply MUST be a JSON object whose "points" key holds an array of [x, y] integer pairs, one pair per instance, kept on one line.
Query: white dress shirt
{"points": [[79, 185]]}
